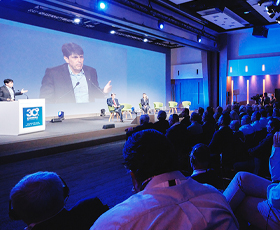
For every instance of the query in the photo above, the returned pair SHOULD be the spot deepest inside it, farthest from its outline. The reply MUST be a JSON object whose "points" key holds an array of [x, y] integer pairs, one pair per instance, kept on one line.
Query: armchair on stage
{"points": [[112, 112], [158, 106], [22, 116], [127, 109], [141, 110], [186, 104], [172, 106]]}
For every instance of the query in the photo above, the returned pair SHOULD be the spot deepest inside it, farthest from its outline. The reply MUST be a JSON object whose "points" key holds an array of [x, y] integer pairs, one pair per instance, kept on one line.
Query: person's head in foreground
{"points": [[161, 115], [146, 154], [144, 119], [37, 197], [165, 198], [200, 156]]}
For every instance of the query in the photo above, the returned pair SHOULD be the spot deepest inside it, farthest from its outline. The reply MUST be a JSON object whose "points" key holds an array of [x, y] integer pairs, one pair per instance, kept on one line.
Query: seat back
{"points": [[126, 107], [111, 109], [186, 104], [172, 104], [158, 105]]}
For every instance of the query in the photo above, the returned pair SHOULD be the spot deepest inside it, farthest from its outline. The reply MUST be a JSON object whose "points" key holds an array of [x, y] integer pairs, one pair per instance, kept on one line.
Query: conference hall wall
{"points": [[27, 51]]}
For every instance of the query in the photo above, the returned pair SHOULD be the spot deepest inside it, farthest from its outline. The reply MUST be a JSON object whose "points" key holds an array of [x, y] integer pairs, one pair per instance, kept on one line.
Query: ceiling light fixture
{"points": [[199, 38], [160, 24]]}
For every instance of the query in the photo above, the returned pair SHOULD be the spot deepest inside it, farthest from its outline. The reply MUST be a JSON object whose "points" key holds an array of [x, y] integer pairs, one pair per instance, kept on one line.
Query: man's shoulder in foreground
{"points": [[187, 205]]}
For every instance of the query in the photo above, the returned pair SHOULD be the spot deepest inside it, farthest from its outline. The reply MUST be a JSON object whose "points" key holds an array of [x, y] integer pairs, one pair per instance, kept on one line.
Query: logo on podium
{"points": [[32, 116]]}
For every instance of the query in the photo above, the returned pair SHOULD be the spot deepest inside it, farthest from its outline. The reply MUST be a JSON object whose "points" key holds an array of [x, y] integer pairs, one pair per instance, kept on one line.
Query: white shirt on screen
{"points": [[80, 90]]}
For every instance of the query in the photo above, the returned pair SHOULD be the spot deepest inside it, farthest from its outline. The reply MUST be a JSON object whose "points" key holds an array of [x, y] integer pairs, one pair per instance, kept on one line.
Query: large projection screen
{"points": [[28, 51]]}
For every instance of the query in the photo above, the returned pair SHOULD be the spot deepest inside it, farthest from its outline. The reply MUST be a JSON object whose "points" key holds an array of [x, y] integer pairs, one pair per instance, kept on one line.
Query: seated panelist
{"points": [[145, 103]]}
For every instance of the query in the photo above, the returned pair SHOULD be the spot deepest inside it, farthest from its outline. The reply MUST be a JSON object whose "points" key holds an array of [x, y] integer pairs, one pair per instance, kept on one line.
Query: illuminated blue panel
{"points": [[272, 66]]}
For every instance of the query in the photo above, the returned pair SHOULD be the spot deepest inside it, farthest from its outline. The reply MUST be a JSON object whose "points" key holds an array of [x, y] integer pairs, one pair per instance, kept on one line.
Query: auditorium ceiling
{"points": [[207, 18]]}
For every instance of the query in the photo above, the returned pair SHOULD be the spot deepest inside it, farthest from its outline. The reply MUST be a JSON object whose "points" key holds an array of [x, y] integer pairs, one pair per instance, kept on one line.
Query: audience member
{"points": [[179, 136], [265, 99], [165, 199], [202, 173], [200, 111], [256, 200], [195, 128], [162, 124], [234, 115], [39, 198], [262, 151], [208, 127], [186, 117], [256, 116], [144, 124], [246, 127], [249, 109], [263, 119], [222, 142]]}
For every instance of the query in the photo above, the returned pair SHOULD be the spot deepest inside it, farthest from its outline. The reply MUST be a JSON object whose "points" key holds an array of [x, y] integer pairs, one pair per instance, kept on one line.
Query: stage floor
{"points": [[62, 136]]}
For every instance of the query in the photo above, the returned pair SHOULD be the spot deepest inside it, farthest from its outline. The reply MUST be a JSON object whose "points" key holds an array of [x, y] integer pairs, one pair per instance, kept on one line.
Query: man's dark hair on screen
{"points": [[71, 48]]}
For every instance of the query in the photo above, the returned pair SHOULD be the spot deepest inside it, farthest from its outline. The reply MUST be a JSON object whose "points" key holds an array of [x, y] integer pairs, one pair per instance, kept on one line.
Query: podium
{"points": [[22, 116]]}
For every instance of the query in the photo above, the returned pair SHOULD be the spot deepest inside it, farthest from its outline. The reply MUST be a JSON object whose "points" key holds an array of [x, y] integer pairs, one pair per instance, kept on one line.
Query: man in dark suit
{"points": [[114, 102], [7, 92], [72, 82], [145, 103]]}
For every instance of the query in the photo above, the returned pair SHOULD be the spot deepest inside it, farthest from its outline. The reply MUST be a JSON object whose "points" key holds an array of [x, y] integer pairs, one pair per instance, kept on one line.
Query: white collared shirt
{"points": [[80, 90], [11, 93]]}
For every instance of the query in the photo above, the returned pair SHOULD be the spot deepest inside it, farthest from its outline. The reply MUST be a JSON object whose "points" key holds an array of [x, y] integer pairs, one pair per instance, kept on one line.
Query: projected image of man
{"points": [[72, 82], [7, 92]]}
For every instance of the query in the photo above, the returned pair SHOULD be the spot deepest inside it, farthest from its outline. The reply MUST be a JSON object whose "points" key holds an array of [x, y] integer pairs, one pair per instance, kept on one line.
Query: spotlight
{"points": [[145, 40], [160, 24], [102, 5], [77, 20], [199, 38], [112, 32]]}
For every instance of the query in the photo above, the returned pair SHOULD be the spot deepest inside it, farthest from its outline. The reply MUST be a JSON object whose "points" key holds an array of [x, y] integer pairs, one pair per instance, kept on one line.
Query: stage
{"points": [[62, 136]]}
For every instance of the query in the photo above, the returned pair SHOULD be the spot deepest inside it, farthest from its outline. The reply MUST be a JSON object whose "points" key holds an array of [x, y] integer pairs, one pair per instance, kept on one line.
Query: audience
{"points": [[39, 198], [262, 151], [256, 200], [165, 199]]}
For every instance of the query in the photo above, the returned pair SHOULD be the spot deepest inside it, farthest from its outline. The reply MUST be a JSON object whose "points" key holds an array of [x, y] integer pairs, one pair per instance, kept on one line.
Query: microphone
{"points": [[78, 83], [105, 94]]}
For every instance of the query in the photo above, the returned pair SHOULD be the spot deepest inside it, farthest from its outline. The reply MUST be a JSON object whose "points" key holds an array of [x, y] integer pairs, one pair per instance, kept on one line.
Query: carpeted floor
{"points": [[94, 171]]}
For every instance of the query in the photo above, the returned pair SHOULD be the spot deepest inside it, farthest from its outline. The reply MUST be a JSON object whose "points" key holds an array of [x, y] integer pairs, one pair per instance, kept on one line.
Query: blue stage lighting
{"points": [[160, 24], [102, 5], [112, 32], [145, 40], [77, 20]]}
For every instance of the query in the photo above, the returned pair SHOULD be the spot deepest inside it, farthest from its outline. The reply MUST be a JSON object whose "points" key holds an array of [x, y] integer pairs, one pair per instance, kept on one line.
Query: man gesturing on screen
{"points": [[72, 82]]}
